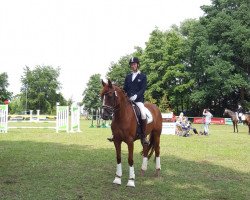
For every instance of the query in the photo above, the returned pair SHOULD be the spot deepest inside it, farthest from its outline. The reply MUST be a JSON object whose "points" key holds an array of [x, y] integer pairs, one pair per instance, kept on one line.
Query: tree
{"points": [[219, 54], [117, 71], [4, 93], [15, 106], [91, 95], [163, 62], [40, 89]]}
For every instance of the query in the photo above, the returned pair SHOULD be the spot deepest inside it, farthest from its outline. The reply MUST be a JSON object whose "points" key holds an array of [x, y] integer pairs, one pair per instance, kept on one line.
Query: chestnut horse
{"points": [[247, 121], [233, 117], [115, 103]]}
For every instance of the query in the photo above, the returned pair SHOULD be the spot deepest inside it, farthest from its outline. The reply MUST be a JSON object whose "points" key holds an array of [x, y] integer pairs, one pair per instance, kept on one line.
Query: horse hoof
{"points": [[131, 183], [117, 181], [142, 172], [157, 173]]}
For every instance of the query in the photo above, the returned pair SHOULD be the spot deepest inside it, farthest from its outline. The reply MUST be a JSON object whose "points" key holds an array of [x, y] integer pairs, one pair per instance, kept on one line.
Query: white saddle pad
{"points": [[149, 116], [243, 117]]}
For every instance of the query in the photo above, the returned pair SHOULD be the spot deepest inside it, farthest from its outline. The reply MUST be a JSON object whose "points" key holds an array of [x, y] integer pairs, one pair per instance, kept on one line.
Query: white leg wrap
{"points": [[119, 169], [118, 179], [131, 172], [144, 165], [158, 163], [131, 181]]}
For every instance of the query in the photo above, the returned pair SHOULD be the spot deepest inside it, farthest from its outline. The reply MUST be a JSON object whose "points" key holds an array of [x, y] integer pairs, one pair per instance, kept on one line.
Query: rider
{"points": [[240, 112], [135, 85]]}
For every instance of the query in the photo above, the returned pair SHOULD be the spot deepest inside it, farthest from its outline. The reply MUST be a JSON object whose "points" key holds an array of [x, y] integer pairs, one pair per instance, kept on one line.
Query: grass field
{"points": [[43, 164]]}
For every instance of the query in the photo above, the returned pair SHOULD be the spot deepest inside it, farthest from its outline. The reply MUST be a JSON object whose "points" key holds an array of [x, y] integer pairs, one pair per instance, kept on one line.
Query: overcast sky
{"points": [[82, 37]]}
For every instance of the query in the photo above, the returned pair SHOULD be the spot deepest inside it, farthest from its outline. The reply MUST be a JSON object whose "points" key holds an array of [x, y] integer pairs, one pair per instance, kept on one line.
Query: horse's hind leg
{"points": [[145, 151], [157, 155], [144, 165], [131, 180], [118, 176]]}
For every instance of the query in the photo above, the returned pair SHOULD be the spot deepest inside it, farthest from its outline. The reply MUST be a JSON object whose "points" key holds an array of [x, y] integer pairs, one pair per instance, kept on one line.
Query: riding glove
{"points": [[133, 98]]}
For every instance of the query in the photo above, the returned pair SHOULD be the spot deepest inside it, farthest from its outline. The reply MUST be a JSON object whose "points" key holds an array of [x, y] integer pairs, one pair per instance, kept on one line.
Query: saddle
{"points": [[137, 112]]}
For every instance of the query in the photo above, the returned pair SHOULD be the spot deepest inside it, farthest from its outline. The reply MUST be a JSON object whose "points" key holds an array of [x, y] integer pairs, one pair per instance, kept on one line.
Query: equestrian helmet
{"points": [[134, 60]]}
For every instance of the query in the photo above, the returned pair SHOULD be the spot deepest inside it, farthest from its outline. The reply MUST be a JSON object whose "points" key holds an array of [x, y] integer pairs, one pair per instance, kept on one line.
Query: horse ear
{"points": [[103, 83], [110, 83]]}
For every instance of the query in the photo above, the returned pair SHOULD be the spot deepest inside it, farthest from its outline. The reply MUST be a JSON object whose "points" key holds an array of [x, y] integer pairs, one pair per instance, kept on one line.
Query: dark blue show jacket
{"points": [[138, 86]]}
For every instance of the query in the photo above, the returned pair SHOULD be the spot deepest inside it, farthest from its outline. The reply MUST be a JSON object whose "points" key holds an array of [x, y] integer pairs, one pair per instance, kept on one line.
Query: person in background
{"points": [[240, 113], [180, 122], [180, 119], [208, 116]]}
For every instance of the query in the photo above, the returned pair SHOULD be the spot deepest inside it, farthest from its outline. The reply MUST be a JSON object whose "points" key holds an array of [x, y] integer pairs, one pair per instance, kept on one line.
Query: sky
{"points": [[82, 37]]}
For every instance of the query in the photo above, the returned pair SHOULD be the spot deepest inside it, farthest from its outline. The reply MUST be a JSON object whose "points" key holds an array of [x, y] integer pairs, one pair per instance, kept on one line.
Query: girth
{"points": [[137, 113]]}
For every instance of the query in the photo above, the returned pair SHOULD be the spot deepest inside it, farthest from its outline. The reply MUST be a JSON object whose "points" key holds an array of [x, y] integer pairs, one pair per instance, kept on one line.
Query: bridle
{"points": [[111, 109]]}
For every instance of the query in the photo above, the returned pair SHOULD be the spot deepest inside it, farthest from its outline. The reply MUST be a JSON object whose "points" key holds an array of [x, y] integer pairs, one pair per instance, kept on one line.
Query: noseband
{"points": [[112, 108]]}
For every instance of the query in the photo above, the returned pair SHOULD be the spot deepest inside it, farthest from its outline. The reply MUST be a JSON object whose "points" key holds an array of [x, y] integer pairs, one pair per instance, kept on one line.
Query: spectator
{"points": [[240, 113], [208, 116]]}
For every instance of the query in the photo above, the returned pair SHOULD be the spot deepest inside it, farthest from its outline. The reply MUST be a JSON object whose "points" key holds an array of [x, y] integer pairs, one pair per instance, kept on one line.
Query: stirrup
{"points": [[111, 138], [144, 141]]}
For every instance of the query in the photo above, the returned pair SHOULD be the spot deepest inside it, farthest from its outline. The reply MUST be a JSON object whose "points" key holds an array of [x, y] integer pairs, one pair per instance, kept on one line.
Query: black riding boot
{"points": [[144, 140], [111, 138]]}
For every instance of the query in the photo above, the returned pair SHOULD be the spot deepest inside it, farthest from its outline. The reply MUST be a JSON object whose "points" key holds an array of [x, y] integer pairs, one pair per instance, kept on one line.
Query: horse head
{"points": [[110, 99], [225, 112]]}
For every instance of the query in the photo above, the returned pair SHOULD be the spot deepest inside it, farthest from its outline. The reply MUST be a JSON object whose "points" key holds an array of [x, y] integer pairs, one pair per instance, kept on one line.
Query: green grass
{"points": [[43, 164]]}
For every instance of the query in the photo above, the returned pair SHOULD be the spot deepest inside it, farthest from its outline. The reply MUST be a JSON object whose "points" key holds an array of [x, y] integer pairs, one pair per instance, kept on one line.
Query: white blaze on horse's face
{"points": [[103, 101]]}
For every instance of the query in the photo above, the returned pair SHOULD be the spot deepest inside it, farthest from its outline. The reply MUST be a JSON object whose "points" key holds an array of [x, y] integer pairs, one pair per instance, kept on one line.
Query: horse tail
{"points": [[151, 147]]}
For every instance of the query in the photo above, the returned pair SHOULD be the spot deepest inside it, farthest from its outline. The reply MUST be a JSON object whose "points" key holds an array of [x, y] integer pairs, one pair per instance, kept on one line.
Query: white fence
{"points": [[4, 118], [61, 123], [62, 118]]}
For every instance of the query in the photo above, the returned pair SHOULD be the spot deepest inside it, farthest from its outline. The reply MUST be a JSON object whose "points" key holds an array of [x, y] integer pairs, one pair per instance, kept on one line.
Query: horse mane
{"points": [[122, 90], [230, 111]]}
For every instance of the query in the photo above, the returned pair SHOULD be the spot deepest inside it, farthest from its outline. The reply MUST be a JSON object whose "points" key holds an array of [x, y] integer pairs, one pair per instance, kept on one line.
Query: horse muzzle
{"points": [[106, 114]]}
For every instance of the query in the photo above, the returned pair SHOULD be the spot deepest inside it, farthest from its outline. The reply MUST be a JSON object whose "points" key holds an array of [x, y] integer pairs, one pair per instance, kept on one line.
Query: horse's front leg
{"points": [[118, 174], [131, 180], [157, 155]]}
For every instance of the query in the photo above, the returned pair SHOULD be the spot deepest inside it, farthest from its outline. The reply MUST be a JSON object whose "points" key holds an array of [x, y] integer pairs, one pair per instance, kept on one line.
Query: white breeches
{"points": [[142, 109]]}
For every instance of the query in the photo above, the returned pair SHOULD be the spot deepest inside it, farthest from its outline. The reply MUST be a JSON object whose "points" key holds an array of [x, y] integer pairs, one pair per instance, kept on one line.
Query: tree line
{"points": [[40, 89], [199, 64]]}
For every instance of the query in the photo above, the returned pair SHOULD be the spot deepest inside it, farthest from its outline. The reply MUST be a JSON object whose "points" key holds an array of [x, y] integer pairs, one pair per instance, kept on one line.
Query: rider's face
{"points": [[134, 67]]}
